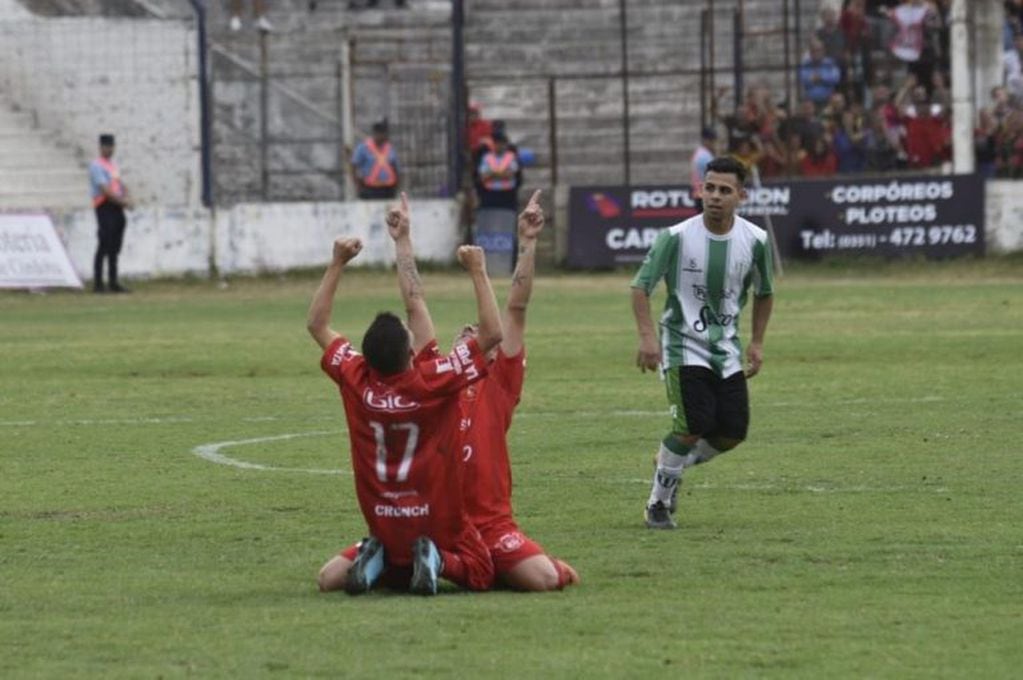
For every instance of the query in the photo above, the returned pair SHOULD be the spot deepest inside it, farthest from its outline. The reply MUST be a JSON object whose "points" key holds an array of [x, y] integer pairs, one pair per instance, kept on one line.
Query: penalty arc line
{"points": [[212, 452]]}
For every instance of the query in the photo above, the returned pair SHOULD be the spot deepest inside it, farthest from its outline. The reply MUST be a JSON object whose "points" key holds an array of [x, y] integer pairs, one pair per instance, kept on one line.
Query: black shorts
{"points": [[706, 405]]}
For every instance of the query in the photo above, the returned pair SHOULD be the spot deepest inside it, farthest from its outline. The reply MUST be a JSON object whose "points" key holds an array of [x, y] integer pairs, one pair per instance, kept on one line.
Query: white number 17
{"points": [[406, 459]]}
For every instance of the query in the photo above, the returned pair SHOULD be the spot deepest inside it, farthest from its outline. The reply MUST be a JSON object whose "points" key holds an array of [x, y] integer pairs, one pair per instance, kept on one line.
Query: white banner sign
{"points": [[31, 255]]}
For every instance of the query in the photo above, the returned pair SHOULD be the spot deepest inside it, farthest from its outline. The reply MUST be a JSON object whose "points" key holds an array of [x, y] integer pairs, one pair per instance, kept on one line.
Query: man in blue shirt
{"points": [[110, 199], [375, 165], [819, 75]]}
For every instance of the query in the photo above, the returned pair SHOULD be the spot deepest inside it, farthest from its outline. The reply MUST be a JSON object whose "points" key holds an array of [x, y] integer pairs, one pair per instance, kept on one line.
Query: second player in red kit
{"points": [[401, 404], [487, 409]]}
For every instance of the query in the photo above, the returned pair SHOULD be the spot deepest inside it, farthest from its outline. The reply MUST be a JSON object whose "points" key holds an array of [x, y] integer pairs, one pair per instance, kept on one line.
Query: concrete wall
{"points": [[135, 78], [257, 237]]}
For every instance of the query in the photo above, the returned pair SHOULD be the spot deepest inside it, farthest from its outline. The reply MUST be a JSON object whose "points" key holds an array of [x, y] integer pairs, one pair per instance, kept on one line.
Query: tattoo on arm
{"points": [[410, 275]]}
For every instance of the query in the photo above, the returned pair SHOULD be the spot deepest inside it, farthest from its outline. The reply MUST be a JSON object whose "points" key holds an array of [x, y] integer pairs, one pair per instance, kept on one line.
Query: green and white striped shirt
{"points": [[707, 277]]}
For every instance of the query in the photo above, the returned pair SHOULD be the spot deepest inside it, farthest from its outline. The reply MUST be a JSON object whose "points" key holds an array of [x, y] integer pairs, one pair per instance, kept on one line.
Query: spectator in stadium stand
{"points": [[748, 151], [1001, 104], [110, 199], [708, 264], [703, 155], [940, 94], [882, 154], [849, 143], [832, 39], [884, 105], [818, 75], [1010, 146], [500, 175], [477, 128], [856, 32], [804, 123], [985, 143], [1012, 60], [792, 157], [913, 21], [820, 160], [835, 108], [258, 11], [928, 135], [375, 165], [1014, 17]]}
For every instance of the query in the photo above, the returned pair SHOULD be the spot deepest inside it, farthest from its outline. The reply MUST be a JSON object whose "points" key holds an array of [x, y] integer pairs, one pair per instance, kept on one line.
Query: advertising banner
{"points": [[934, 216], [31, 255]]}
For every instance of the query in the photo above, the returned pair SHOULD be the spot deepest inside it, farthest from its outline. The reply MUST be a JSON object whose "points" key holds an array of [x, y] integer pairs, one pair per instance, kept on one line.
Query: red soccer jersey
{"points": [[404, 442], [487, 409]]}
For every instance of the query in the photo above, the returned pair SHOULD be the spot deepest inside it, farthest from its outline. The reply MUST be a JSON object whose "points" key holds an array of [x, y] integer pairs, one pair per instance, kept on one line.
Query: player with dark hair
{"points": [[401, 404], [487, 408], [708, 263]]}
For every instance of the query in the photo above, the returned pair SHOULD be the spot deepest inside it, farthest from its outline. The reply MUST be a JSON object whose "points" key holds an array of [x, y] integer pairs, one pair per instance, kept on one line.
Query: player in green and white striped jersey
{"points": [[708, 262]]}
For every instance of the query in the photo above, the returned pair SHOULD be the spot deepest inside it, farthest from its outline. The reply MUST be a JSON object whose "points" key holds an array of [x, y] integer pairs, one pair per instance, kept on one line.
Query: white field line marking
{"points": [[760, 403], [211, 452], [794, 488]]}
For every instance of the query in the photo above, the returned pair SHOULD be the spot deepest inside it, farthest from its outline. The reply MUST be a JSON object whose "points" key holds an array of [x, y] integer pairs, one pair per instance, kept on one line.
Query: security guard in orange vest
{"points": [[500, 175], [109, 198], [375, 165]]}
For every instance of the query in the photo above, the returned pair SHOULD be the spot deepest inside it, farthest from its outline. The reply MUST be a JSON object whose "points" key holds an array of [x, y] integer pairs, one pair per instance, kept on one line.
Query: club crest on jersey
{"points": [[391, 403], [509, 542], [692, 266]]}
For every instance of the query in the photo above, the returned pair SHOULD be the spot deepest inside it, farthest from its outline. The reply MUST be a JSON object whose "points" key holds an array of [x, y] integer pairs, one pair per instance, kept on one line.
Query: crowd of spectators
{"points": [[874, 96]]}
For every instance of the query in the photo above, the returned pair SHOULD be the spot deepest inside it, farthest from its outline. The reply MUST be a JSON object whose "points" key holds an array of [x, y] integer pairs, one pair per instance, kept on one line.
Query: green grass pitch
{"points": [[869, 527]]}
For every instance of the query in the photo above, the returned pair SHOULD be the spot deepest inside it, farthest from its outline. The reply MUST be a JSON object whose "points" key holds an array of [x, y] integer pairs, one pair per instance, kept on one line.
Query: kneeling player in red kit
{"points": [[487, 408], [401, 404]]}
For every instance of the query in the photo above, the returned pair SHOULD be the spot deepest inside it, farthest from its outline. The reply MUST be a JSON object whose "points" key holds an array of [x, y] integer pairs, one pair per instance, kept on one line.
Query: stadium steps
{"points": [[400, 68], [36, 173]]}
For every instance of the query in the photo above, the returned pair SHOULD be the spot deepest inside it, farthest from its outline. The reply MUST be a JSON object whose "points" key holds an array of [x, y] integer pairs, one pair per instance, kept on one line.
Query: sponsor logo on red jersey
{"points": [[389, 403], [402, 510]]}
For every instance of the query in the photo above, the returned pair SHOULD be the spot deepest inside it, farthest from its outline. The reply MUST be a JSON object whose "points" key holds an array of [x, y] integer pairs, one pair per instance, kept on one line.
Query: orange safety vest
{"points": [[115, 181], [499, 166], [382, 173]]}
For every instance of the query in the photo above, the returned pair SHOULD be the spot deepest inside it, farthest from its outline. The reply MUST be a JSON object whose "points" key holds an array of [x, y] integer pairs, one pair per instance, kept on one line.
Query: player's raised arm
{"points": [[318, 319], [411, 286], [475, 262], [531, 222]]}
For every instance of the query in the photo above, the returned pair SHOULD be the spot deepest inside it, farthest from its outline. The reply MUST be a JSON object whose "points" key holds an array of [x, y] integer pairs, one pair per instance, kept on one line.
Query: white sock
{"points": [[703, 452], [668, 474]]}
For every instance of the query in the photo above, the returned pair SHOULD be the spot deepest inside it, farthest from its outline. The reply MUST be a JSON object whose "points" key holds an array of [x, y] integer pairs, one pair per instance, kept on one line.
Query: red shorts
{"points": [[508, 546], [467, 565]]}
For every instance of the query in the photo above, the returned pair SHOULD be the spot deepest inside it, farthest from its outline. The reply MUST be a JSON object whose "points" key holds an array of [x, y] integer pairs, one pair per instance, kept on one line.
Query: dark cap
{"points": [[709, 133], [106, 140], [380, 125]]}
